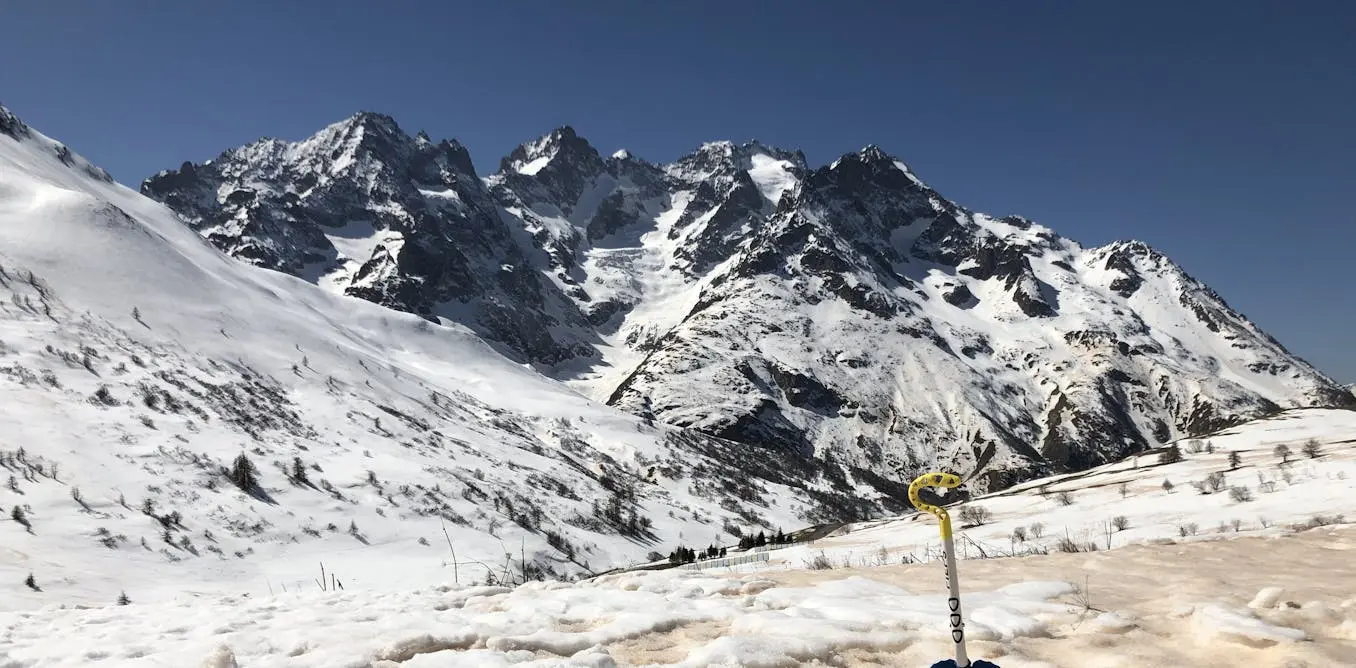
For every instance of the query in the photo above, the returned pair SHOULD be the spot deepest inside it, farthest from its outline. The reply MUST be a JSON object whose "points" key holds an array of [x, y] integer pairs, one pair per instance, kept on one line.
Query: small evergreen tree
{"points": [[243, 473], [32, 584], [1311, 449], [1170, 456], [123, 600], [1235, 460], [299, 471], [1167, 485]]}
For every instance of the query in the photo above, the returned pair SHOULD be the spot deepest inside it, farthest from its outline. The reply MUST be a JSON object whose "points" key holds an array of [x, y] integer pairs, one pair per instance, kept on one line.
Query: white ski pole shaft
{"points": [[953, 604]]}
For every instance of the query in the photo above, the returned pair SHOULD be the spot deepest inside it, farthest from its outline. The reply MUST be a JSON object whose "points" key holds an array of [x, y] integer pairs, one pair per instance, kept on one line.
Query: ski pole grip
{"points": [[934, 479]]}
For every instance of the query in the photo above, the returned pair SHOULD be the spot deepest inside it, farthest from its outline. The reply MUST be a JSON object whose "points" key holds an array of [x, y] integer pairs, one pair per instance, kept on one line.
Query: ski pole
{"points": [[952, 580]]}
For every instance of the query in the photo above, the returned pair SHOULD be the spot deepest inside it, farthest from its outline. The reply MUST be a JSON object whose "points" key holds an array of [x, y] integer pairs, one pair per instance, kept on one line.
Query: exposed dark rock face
{"points": [[400, 221]]}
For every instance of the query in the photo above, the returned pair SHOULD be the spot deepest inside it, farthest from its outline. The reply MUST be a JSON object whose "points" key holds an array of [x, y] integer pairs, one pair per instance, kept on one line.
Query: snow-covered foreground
{"points": [[1153, 605], [1156, 599]]}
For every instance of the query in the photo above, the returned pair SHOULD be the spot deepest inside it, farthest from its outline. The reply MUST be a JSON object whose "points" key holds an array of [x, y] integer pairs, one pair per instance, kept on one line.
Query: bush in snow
{"points": [[1188, 529], [1215, 481], [819, 563], [1318, 521], [32, 584], [123, 600], [1019, 535], [1234, 460], [1064, 498], [1124, 489], [1067, 544], [1240, 493], [1167, 485], [975, 515], [1037, 529], [1120, 522], [1195, 447], [103, 397]]}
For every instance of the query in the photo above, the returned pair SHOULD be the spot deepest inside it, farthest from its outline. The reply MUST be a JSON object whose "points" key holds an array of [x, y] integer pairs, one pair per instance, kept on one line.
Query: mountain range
{"points": [[846, 313]]}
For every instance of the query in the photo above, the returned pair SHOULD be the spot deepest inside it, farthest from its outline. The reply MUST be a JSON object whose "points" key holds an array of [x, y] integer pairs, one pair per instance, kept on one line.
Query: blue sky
{"points": [[1220, 132]]}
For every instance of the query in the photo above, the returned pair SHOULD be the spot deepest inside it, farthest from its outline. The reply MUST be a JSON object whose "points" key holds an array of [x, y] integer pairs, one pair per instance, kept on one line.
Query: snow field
{"points": [[1148, 605], [1279, 497]]}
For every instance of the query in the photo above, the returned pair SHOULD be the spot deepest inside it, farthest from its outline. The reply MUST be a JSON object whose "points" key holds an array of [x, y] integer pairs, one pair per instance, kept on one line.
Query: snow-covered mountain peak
{"points": [[562, 149], [724, 158], [11, 125]]}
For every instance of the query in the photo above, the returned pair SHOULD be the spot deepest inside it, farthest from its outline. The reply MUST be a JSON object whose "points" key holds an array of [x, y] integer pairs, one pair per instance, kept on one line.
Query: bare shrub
{"points": [[1120, 522], [975, 515], [1188, 529], [1282, 451], [1064, 499], [1215, 481], [1067, 544], [1318, 521], [1240, 494]]}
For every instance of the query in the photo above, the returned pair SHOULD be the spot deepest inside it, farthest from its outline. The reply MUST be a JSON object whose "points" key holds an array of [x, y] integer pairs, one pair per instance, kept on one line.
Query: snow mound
{"points": [[1241, 626]]}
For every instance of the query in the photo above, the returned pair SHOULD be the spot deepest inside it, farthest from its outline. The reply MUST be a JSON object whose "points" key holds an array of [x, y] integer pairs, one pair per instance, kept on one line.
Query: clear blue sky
{"points": [[1223, 133]]}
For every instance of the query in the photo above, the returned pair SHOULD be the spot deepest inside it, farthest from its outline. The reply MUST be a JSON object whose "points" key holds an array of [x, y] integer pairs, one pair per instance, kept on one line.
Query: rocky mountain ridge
{"points": [[846, 314]]}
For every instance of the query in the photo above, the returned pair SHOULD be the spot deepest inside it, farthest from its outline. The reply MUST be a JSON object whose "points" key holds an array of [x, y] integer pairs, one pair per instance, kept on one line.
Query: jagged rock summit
{"points": [[847, 314]]}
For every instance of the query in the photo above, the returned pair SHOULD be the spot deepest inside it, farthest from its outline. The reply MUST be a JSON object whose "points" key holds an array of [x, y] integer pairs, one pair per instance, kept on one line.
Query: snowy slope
{"points": [[1280, 492], [137, 361], [847, 315], [1280, 596]]}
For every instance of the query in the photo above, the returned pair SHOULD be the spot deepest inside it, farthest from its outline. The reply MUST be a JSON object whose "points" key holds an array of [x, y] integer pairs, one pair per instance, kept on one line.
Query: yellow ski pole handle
{"points": [[953, 603], [934, 480]]}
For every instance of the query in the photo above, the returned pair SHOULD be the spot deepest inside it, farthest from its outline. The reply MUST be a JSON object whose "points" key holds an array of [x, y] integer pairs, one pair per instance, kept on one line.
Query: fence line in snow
{"points": [[727, 561]]}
